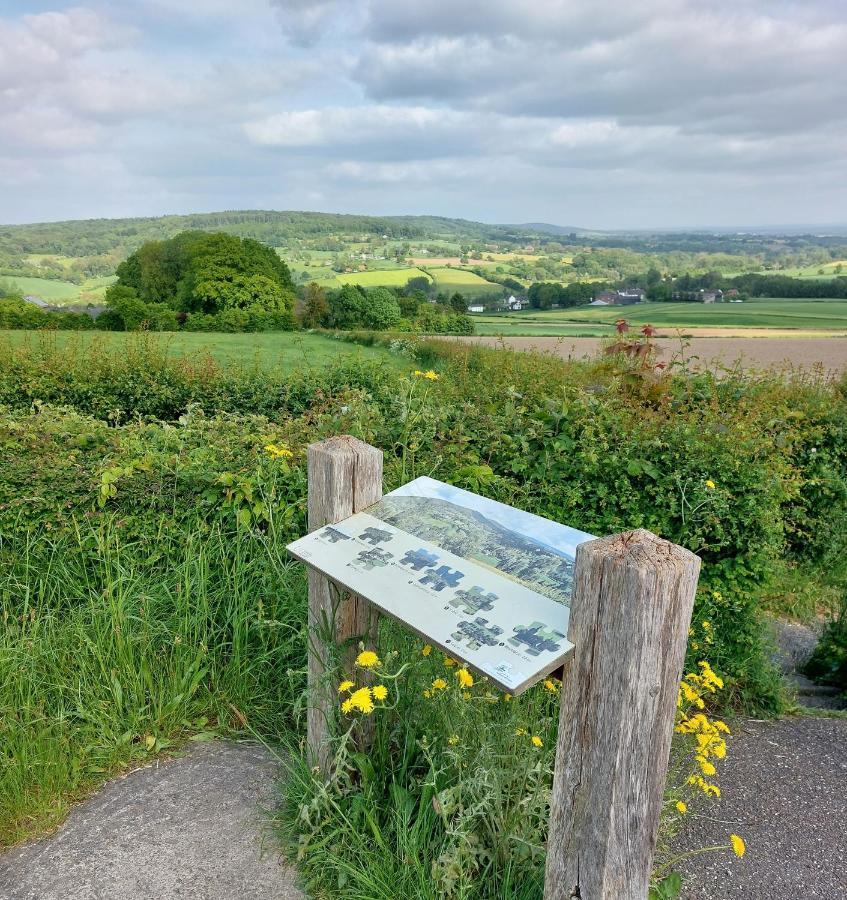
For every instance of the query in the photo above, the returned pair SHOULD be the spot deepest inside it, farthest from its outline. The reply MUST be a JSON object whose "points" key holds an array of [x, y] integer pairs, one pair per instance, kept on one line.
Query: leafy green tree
{"points": [[381, 310], [419, 283], [315, 308], [458, 303], [347, 307]]}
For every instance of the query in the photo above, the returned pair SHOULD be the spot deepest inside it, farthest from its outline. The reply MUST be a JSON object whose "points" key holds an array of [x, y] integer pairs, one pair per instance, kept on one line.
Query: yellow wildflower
{"points": [[465, 677], [739, 848], [362, 700], [346, 706], [710, 484], [536, 741], [344, 686], [717, 595], [380, 692], [681, 807], [550, 685], [427, 694], [706, 767], [277, 451], [721, 726], [520, 732], [426, 650], [439, 684], [367, 659], [449, 662], [507, 698], [453, 740], [706, 624], [432, 376]]}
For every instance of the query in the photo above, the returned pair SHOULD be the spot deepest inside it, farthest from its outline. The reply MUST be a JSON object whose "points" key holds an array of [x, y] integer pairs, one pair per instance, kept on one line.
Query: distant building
{"points": [[605, 298], [515, 303], [711, 296], [600, 302], [476, 309], [36, 301], [626, 297]]}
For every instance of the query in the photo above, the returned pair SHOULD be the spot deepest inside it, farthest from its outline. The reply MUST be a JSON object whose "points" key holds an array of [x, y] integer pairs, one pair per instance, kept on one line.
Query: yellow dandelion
{"points": [[427, 694], [550, 686], [380, 692], [710, 484], [453, 740], [344, 687], [465, 678], [449, 662], [427, 649], [536, 741], [681, 807], [739, 848], [507, 698], [439, 684], [520, 732], [432, 376], [367, 659], [362, 700], [346, 706], [706, 624]]}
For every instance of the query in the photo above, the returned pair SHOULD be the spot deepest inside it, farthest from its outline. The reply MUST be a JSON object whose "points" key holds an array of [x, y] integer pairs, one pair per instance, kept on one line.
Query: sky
{"points": [[561, 537], [600, 114]]}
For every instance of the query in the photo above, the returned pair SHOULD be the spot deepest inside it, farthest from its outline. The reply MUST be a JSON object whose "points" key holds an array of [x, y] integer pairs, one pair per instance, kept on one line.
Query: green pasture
{"points": [[380, 277], [772, 312], [283, 351], [60, 293]]}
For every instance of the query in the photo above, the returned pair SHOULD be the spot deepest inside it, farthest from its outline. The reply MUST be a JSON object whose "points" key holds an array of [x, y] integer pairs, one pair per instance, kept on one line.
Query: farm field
{"points": [[283, 351], [380, 277], [60, 293], [773, 312], [830, 353]]}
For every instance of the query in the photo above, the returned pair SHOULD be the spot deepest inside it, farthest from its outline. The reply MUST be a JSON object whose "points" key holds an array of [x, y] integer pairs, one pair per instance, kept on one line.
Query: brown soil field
{"points": [[829, 353]]}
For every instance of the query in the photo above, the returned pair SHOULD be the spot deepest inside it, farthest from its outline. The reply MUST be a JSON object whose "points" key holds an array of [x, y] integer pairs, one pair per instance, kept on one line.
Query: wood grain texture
{"points": [[345, 476], [631, 609]]}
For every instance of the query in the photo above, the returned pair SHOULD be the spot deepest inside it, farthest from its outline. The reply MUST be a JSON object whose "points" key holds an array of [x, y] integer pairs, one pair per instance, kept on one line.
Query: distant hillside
{"points": [[471, 535], [87, 237]]}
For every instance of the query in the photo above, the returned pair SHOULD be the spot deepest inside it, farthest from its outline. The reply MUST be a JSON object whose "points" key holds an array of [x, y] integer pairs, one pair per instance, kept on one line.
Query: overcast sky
{"points": [[596, 113]]}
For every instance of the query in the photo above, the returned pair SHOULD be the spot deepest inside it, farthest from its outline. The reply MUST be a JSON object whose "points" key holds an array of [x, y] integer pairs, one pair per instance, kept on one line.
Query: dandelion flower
{"points": [[347, 706], [681, 807], [380, 692], [367, 659], [465, 678], [362, 700], [710, 484], [449, 662], [507, 698], [739, 848], [439, 684], [427, 695], [550, 686], [520, 732], [453, 740], [536, 741], [426, 650], [432, 376], [344, 687]]}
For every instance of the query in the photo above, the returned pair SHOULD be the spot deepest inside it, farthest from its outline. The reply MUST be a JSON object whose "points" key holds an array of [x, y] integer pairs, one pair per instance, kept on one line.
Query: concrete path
{"points": [[187, 828], [784, 790]]}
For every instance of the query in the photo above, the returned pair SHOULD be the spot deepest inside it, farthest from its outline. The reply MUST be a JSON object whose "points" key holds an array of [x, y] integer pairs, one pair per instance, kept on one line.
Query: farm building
{"points": [[476, 308], [626, 297], [36, 301], [515, 303]]}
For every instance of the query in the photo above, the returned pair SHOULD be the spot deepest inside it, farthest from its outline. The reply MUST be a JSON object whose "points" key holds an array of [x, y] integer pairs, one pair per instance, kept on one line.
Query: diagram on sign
{"points": [[487, 583]]}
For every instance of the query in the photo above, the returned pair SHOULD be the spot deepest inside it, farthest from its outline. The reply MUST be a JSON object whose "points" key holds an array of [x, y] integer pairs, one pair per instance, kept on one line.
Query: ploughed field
{"points": [[703, 352]]}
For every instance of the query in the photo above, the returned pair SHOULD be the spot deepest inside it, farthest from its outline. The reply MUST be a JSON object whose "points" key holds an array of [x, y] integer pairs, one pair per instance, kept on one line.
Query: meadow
{"points": [[771, 312], [146, 498], [283, 351]]}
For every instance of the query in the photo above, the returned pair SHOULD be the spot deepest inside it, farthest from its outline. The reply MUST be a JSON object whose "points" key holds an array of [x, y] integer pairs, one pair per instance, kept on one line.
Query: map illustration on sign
{"points": [[487, 583]]}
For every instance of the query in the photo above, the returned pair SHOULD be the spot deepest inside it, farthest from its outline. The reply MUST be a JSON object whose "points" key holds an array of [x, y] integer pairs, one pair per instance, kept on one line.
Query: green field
{"points": [[61, 293], [771, 312], [284, 350], [380, 277]]}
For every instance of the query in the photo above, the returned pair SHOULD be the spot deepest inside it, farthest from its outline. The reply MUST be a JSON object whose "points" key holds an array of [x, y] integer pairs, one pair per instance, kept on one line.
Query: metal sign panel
{"points": [[487, 583]]}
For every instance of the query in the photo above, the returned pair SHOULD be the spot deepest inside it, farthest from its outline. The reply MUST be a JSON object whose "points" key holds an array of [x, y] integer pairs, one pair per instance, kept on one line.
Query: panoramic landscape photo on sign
{"points": [[487, 583]]}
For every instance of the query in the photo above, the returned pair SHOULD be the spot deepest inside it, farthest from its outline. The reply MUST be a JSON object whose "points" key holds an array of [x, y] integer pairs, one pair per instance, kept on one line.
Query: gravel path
{"points": [[784, 790], [188, 828]]}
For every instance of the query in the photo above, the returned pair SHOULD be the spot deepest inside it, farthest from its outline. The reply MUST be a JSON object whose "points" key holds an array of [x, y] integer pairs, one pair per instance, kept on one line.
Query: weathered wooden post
{"points": [[631, 609], [345, 476]]}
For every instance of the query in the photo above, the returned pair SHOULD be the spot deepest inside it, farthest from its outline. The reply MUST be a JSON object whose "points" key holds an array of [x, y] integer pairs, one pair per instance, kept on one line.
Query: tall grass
{"points": [[113, 651]]}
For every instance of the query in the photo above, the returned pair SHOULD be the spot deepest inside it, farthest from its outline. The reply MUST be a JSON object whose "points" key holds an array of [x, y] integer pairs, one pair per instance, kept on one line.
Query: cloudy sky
{"points": [[608, 113]]}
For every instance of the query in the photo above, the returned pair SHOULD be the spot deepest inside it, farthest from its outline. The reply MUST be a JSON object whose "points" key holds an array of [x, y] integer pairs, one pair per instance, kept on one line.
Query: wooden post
{"points": [[631, 609], [345, 476]]}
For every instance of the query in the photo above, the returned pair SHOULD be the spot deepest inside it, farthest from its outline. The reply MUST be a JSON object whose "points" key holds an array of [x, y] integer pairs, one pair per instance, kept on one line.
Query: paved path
{"points": [[188, 828], [784, 790]]}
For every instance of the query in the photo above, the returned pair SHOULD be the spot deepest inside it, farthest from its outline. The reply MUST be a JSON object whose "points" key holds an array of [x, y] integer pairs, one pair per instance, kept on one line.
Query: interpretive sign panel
{"points": [[487, 583]]}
